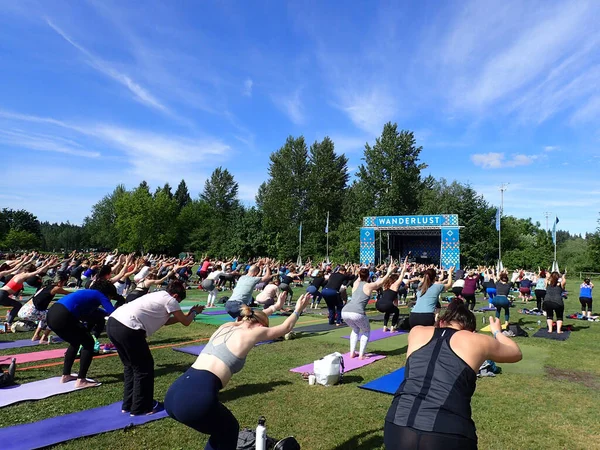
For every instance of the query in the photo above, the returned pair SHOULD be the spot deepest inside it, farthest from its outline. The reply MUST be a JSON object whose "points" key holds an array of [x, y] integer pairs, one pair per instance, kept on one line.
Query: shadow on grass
{"points": [[375, 440], [352, 379], [160, 370], [395, 352], [247, 390]]}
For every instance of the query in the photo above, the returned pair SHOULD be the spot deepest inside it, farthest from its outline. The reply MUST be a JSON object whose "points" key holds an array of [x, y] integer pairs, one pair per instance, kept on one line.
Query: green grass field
{"points": [[549, 400]]}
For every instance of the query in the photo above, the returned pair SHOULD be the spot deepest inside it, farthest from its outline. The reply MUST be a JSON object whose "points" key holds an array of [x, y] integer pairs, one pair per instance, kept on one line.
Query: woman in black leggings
{"points": [[387, 303], [554, 302]]}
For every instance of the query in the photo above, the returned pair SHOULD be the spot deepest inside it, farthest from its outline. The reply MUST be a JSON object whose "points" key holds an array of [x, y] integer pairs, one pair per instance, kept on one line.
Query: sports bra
{"points": [[222, 352], [14, 286]]}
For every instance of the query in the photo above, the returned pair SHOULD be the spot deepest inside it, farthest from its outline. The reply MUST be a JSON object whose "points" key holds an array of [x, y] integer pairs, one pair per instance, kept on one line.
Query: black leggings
{"points": [[586, 302], [193, 400], [469, 300], [70, 329], [396, 437], [551, 308], [138, 374], [389, 309], [540, 294], [424, 319], [5, 300]]}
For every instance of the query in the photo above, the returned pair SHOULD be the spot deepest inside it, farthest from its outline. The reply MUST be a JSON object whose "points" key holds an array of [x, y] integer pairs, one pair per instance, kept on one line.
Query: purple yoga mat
{"points": [[35, 390], [379, 334], [25, 343], [349, 363], [214, 312], [70, 426]]}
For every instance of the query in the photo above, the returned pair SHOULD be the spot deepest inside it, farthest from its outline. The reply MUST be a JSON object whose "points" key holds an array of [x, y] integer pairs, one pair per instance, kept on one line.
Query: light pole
{"points": [[502, 189]]}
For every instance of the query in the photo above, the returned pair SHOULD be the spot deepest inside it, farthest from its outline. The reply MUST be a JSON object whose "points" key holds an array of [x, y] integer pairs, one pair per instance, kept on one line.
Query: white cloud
{"points": [[551, 148], [140, 93], [43, 142], [291, 105], [498, 160], [368, 109], [247, 91]]}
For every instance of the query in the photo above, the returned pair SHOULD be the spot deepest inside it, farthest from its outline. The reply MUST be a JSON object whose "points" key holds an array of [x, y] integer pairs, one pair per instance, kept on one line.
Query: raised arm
{"points": [[275, 332], [448, 284], [502, 349]]}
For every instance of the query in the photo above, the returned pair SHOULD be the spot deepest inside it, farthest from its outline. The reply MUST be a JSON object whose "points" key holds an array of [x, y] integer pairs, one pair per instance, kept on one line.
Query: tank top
{"points": [[388, 297], [16, 287], [358, 302], [554, 294], [435, 395], [540, 285], [470, 286], [585, 290], [222, 352], [43, 297]]}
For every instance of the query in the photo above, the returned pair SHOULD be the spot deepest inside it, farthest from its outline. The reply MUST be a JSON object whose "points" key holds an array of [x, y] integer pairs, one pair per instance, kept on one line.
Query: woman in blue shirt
{"points": [[585, 297], [66, 319], [428, 298]]}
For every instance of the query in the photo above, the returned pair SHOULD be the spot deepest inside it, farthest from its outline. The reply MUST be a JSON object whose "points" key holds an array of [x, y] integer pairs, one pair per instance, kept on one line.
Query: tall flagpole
{"points": [[502, 189], [327, 234]]}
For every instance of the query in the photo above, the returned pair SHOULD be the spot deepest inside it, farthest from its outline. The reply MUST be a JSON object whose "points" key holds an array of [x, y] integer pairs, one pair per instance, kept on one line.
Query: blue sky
{"points": [[96, 93]]}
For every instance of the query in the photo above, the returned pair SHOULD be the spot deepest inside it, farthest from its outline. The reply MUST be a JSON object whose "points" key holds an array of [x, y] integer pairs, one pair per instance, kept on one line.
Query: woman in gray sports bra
{"points": [[193, 398]]}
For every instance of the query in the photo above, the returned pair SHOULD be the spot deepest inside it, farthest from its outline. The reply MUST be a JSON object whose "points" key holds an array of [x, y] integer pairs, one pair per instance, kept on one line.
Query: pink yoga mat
{"points": [[379, 334], [34, 356], [349, 363]]}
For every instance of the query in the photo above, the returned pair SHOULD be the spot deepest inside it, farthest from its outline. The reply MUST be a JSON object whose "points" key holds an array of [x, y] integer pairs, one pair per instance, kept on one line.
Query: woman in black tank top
{"points": [[447, 358], [387, 303]]}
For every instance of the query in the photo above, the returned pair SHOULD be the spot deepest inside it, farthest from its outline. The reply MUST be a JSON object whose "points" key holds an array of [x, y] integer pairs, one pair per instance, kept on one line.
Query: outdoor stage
{"points": [[427, 239]]}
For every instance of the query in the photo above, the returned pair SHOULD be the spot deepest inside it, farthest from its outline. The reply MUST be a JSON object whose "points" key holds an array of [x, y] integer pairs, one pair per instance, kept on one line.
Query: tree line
{"points": [[305, 185]]}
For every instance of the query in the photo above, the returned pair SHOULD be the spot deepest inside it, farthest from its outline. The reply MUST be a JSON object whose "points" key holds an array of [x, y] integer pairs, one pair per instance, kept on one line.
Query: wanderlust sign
{"points": [[407, 221]]}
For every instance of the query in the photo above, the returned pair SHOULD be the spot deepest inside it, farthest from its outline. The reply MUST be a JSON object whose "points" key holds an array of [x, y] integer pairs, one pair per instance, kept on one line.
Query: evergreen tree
{"points": [[390, 179], [221, 191], [182, 195]]}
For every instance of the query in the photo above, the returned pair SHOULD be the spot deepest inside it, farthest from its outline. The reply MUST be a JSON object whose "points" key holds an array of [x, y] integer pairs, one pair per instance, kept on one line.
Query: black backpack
{"points": [[247, 441], [517, 330]]}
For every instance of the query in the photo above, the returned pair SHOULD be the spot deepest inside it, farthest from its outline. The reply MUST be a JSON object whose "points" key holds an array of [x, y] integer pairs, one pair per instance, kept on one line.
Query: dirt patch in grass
{"points": [[586, 379]]}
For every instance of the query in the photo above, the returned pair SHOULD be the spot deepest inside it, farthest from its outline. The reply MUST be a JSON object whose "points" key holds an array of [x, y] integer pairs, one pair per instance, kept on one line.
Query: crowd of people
{"points": [[112, 292]]}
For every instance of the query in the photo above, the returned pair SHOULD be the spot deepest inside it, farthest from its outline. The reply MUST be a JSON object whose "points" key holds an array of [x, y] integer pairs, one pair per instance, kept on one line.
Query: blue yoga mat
{"points": [[70, 426], [25, 343], [387, 384]]}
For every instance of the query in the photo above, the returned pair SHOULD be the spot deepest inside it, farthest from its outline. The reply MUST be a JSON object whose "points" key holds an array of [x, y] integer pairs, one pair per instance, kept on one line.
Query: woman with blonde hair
{"points": [[193, 399]]}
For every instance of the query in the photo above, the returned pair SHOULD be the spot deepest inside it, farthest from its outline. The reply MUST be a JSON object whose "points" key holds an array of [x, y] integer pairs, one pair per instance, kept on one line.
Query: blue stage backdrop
{"points": [[449, 254]]}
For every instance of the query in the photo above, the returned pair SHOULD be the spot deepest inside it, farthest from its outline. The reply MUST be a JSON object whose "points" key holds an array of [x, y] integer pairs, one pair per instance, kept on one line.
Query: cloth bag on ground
{"points": [[329, 369]]}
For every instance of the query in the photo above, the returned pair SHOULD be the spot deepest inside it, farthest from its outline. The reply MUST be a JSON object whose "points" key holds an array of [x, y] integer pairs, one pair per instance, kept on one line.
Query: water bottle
{"points": [[261, 434], [483, 319], [539, 322]]}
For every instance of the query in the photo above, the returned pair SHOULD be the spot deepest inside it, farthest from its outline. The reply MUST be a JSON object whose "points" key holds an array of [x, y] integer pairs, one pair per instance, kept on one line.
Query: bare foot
{"points": [[353, 355], [385, 329], [559, 332], [85, 383], [67, 378], [362, 357]]}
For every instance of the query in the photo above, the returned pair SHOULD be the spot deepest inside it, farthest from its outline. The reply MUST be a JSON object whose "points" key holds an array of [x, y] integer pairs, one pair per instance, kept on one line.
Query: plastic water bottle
{"points": [[539, 322], [261, 434], [483, 319]]}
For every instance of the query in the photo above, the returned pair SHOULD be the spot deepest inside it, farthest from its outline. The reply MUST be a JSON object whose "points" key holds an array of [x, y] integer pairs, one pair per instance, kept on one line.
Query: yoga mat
{"points": [[387, 384], [318, 328], [543, 333], [487, 328], [71, 426], [379, 334], [214, 312], [213, 320], [349, 363], [486, 309], [33, 356], [36, 390], [25, 343]]}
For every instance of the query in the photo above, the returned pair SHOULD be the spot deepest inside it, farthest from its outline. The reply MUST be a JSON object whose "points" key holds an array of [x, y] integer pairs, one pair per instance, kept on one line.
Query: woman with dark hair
{"points": [[66, 319], [432, 407], [354, 313], [387, 303], [428, 295], [193, 399], [554, 301], [585, 297], [469, 288], [540, 289], [36, 309], [317, 283], [331, 294], [500, 300], [489, 285]]}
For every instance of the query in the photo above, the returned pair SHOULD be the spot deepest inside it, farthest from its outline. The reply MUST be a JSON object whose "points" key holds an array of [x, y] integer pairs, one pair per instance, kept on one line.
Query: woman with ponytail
{"points": [[432, 407], [193, 399], [428, 296]]}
